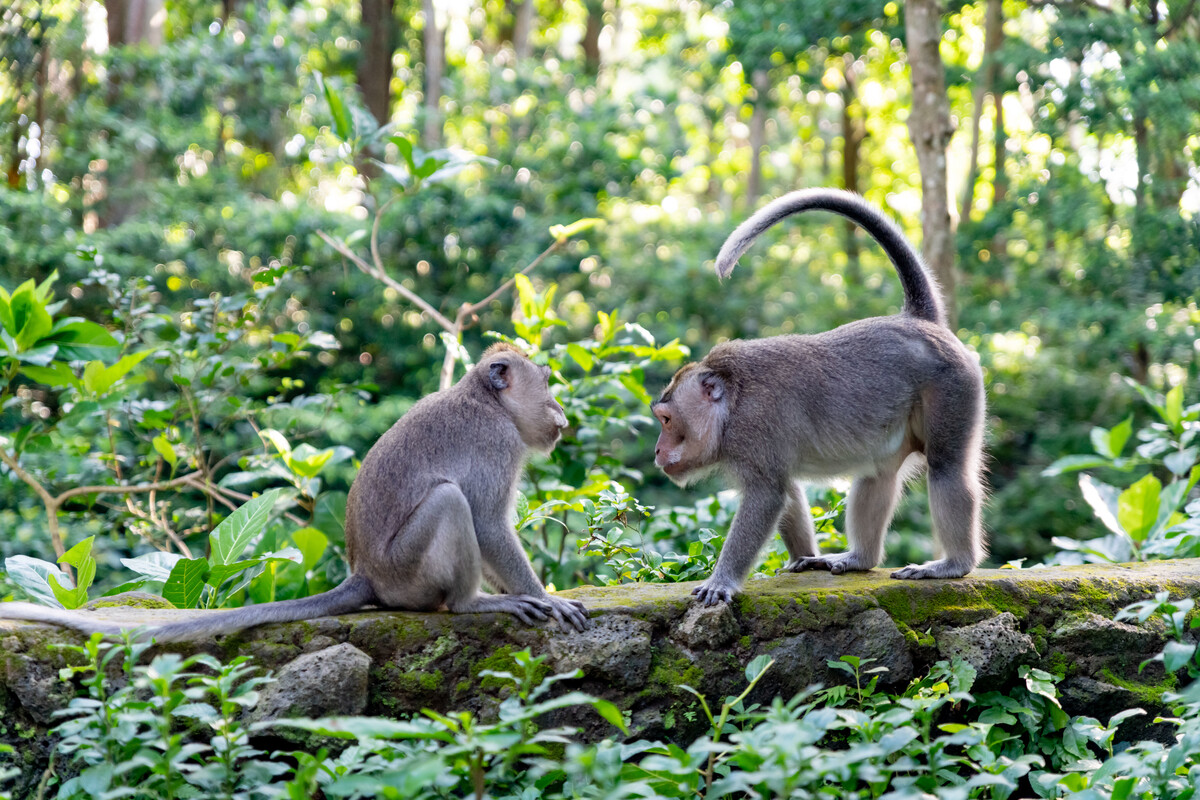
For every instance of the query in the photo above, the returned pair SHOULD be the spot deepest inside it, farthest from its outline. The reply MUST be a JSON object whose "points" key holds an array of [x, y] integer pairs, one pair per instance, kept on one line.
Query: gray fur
{"points": [[921, 297], [428, 515], [873, 400]]}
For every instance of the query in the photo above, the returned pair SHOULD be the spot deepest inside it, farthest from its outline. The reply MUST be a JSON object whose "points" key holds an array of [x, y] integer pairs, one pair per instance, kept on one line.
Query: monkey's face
{"points": [[524, 391], [692, 412]]}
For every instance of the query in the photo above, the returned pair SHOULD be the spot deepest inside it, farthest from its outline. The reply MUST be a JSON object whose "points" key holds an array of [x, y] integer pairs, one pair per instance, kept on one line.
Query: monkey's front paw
{"points": [[569, 613], [713, 591], [836, 564], [527, 608]]}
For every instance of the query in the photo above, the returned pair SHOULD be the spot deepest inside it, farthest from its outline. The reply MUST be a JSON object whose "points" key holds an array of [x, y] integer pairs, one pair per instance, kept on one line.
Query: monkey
{"points": [[428, 516], [876, 399]]}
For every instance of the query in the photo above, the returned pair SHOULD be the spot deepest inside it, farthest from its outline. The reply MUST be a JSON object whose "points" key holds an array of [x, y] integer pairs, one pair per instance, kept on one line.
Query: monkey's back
{"points": [[446, 437], [835, 402]]}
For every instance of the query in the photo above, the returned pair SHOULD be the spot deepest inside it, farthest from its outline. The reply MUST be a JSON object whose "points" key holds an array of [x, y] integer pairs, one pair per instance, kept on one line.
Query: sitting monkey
{"points": [[428, 516]]}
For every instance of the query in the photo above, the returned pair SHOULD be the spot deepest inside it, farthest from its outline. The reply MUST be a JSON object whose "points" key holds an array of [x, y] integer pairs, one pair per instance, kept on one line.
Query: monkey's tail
{"points": [[351, 595], [921, 296]]}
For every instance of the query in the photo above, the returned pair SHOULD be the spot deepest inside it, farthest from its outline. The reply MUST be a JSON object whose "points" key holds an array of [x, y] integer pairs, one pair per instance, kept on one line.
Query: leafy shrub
{"points": [[1148, 520]]}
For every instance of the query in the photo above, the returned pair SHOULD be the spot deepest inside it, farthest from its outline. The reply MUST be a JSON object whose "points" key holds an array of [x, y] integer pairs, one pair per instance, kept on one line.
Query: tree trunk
{"points": [[852, 136], [993, 37], [135, 22], [930, 129], [591, 36], [375, 69], [522, 33], [760, 80], [435, 69]]}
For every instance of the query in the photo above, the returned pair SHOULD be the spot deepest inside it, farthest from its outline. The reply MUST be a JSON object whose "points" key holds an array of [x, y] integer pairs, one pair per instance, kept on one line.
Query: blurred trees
{"points": [[204, 167]]}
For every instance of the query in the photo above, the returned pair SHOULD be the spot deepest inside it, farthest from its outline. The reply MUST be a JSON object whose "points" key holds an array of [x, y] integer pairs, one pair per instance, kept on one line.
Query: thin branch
{"points": [[41, 491], [407, 293], [375, 233], [468, 309], [136, 488]]}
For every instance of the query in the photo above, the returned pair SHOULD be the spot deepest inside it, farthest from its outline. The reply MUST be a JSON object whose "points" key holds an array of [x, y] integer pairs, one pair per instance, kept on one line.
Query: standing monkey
{"points": [[428, 516], [872, 399]]}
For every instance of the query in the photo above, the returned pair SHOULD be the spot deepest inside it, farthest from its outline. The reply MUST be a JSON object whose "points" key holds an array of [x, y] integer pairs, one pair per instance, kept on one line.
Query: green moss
{"points": [[669, 669], [1058, 664], [1147, 695], [131, 600]]}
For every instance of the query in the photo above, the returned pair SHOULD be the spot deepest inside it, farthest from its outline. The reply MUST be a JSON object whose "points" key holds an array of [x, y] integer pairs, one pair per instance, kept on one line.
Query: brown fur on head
{"points": [[523, 389], [692, 411]]}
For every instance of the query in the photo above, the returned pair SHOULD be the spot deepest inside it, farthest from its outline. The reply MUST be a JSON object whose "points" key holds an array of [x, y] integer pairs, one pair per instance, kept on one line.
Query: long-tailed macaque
{"points": [[873, 400], [428, 516]]}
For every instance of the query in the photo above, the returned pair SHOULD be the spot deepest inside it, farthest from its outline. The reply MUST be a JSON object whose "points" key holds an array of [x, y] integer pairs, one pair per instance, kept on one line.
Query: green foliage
{"points": [[172, 728], [1147, 520]]}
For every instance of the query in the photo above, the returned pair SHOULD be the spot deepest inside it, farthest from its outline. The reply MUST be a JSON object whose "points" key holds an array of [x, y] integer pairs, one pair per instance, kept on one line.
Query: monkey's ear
{"points": [[713, 386], [498, 375]]}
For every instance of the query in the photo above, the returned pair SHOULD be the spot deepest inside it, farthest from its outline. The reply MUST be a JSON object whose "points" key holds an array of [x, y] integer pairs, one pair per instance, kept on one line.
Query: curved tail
{"points": [[921, 296], [351, 595]]}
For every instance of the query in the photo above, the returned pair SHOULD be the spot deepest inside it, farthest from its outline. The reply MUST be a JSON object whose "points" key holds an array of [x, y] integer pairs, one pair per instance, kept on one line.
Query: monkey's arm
{"points": [[508, 565], [761, 506]]}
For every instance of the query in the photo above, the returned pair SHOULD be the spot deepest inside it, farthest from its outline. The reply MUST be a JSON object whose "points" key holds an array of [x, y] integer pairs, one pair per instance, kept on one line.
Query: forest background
{"points": [[259, 230]]}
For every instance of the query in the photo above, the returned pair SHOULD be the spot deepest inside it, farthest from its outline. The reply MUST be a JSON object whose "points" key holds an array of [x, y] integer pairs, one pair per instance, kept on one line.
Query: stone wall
{"points": [[645, 640]]}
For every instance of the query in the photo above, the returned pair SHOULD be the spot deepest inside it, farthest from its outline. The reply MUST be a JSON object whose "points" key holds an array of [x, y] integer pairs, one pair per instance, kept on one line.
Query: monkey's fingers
{"points": [[710, 594], [570, 614]]}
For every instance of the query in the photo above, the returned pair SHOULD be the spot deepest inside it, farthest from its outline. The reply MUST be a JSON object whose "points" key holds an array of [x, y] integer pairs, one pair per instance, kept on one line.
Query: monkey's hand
{"points": [[715, 590], [569, 613], [836, 564]]}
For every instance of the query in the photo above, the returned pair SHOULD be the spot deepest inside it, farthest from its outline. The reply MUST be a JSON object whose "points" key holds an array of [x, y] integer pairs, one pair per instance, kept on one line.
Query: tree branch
{"points": [[407, 293]]}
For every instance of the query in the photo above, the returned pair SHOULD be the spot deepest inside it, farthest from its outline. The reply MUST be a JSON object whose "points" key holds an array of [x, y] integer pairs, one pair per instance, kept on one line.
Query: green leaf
{"points": [[405, 146], [186, 582], [31, 317], [156, 566], [582, 357], [78, 554], [563, 232], [32, 576], [1122, 788], [65, 592], [55, 375], [1177, 655], [163, 447], [80, 339], [757, 667], [1137, 507], [98, 379], [1104, 502], [1172, 412], [230, 539], [343, 126], [1120, 435], [611, 713], [1074, 464], [311, 544]]}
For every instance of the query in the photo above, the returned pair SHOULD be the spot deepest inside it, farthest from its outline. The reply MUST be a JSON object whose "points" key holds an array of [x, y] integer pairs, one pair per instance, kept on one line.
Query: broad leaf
{"points": [[1103, 500], [1137, 507], [32, 576], [186, 582], [230, 539], [79, 339], [156, 566]]}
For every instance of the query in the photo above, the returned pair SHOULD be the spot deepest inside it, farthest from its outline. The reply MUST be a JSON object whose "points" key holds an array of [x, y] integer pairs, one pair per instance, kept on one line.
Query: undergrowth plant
{"points": [[174, 727], [1153, 517]]}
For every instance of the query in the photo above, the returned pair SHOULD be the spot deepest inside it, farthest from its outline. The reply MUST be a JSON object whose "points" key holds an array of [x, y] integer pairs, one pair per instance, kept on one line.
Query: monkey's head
{"points": [[523, 389], [692, 411]]}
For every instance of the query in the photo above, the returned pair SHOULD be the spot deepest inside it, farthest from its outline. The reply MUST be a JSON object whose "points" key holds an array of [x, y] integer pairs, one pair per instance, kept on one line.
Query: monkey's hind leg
{"points": [[797, 530], [869, 508], [449, 570], [954, 455]]}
